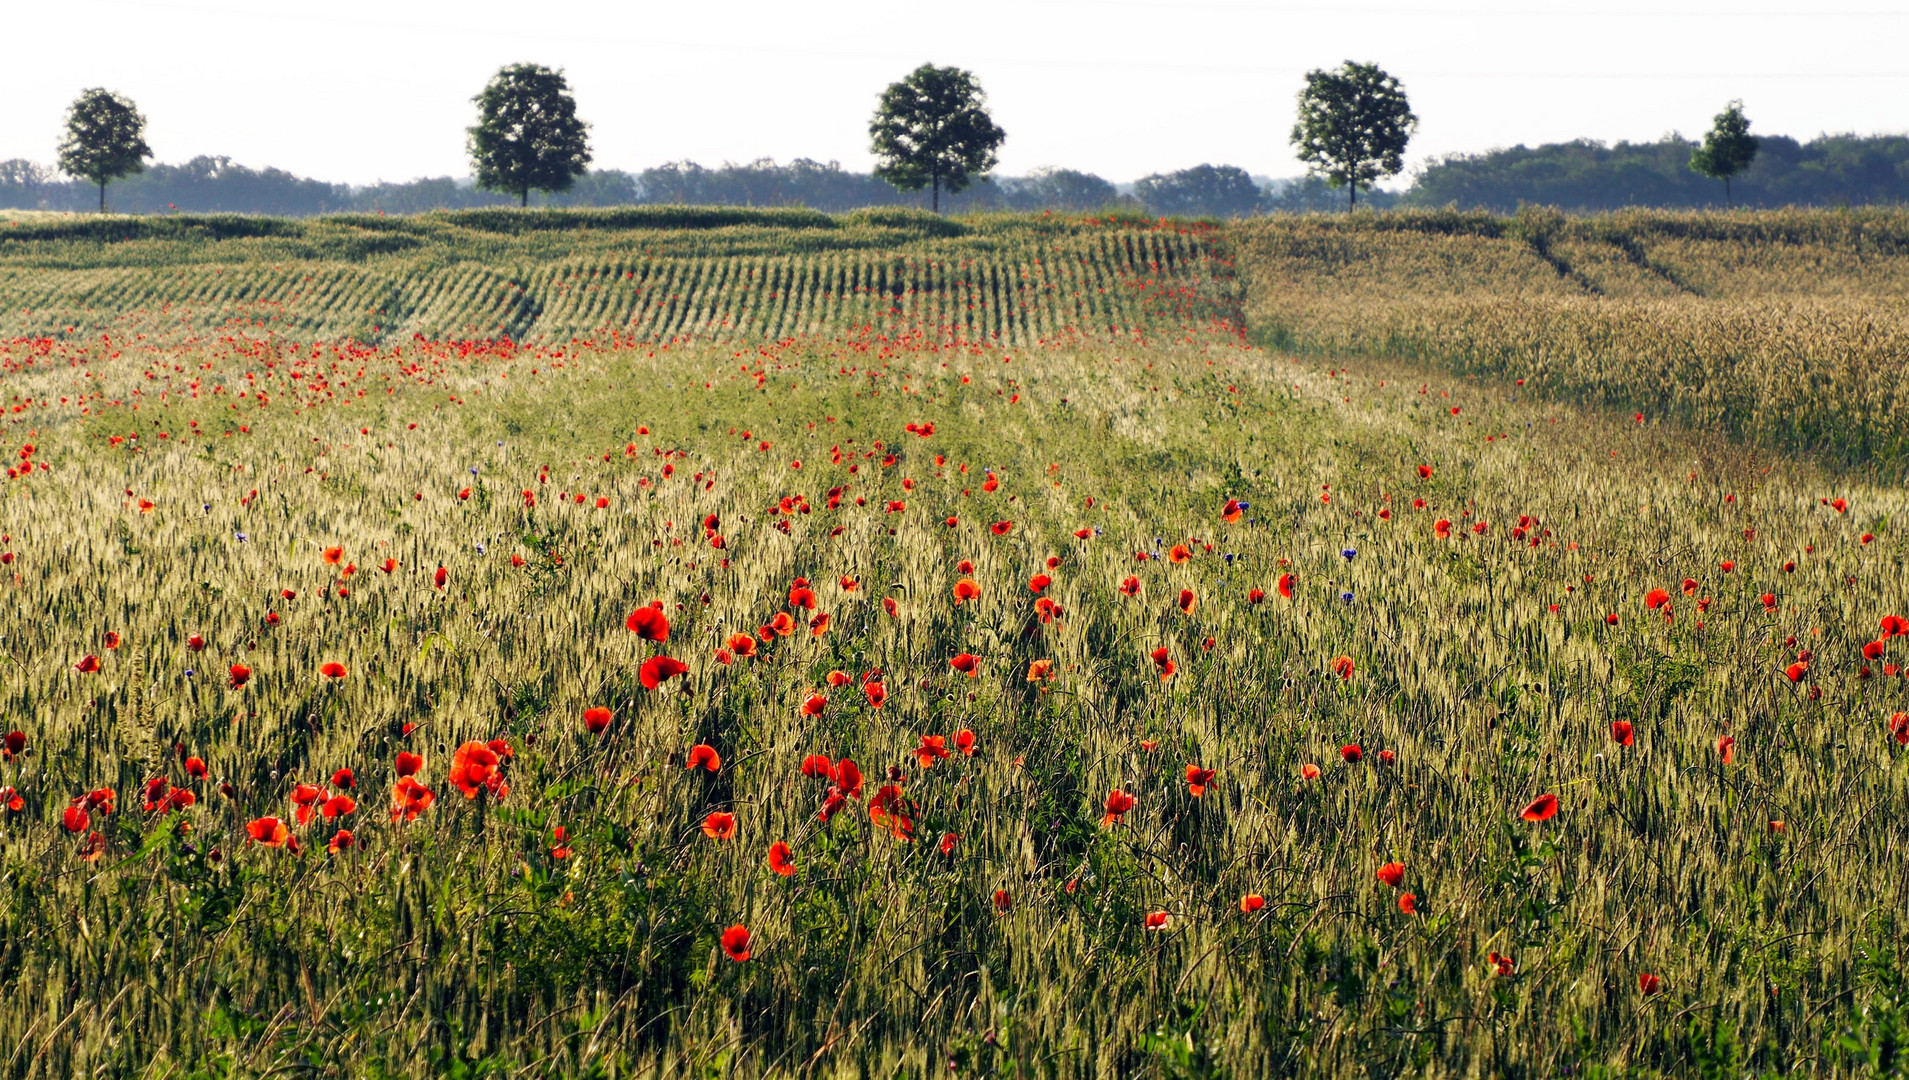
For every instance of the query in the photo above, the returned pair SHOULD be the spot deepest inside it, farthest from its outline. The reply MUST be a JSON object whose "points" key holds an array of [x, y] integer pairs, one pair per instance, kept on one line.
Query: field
{"points": [[1784, 328], [1545, 738]]}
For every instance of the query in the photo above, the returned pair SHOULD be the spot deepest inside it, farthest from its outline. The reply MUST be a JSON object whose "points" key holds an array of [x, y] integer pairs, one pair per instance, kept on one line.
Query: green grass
{"points": [[459, 944]]}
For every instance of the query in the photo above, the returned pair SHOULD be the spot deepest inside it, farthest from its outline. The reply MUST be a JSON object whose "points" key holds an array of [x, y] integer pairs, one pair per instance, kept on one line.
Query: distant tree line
{"points": [[1833, 170], [934, 140], [217, 184]]}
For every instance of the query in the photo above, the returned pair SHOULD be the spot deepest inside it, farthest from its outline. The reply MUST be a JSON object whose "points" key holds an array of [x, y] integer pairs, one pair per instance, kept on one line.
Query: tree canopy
{"points": [[105, 139], [528, 136], [1728, 148], [1202, 191], [932, 129], [1354, 123]]}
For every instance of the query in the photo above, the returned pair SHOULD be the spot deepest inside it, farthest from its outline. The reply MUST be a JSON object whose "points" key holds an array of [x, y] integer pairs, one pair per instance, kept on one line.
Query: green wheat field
{"points": [[704, 643]]}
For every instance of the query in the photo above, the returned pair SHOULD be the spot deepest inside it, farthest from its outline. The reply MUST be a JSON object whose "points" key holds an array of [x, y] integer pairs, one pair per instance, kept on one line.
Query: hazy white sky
{"points": [[356, 90]]}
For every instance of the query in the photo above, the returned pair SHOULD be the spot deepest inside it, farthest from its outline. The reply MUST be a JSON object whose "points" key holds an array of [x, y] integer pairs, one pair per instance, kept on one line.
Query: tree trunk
{"points": [[1726, 193], [937, 195], [1352, 196], [102, 196], [526, 203]]}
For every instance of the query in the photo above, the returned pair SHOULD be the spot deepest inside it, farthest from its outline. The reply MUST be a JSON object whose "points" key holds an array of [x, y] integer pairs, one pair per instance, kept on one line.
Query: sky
{"points": [[360, 91]]}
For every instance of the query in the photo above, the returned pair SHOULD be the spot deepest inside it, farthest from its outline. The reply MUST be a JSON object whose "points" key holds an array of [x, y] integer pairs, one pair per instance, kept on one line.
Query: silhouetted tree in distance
{"points": [[932, 129], [105, 139], [527, 134], [1354, 123], [1728, 148]]}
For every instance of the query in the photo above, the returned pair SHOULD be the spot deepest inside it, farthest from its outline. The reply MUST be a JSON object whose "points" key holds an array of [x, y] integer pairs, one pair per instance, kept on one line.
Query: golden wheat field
{"points": [[892, 647]]}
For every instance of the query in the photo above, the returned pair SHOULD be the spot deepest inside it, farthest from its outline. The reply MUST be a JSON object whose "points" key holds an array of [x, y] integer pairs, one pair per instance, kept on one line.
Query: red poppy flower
{"points": [[1040, 669], [333, 555], [890, 810], [1197, 779], [1157, 920], [781, 859], [238, 675], [933, 748], [948, 843], [876, 692], [849, 778], [782, 625], [440, 577], [1542, 808], [965, 590], [965, 663], [704, 756], [1424, 472], [305, 796], [1039, 582], [657, 669], [1179, 553], [1648, 984], [1655, 599], [818, 765], [195, 643], [16, 744], [409, 764], [719, 825], [1442, 528], [1797, 670], [1899, 727], [1726, 749], [1163, 663], [1621, 732], [1001, 528], [332, 670], [269, 831], [87, 664], [1252, 902], [965, 742], [1003, 902], [1130, 587], [1874, 650], [802, 597], [1392, 874], [649, 623], [1351, 753], [342, 840], [1343, 667], [1408, 903], [1309, 771], [742, 644], [596, 719], [735, 942], [1117, 805], [1285, 586], [112, 639], [474, 768], [76, 819]]}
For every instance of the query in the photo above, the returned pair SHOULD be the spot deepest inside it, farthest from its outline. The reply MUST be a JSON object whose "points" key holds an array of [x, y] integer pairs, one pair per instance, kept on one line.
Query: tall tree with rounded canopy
{"points": [[1728, 148], [527, 134], [105, 139], [933, 129], [1354, 123]]}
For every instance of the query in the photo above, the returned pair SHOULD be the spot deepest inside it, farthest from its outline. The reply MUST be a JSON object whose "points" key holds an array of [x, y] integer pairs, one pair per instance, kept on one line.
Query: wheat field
{"points": [[1217, 711]]}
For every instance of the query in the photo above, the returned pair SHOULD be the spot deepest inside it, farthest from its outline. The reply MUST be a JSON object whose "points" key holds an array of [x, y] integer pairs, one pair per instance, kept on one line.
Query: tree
{"points": [[1728, 148], [933, 128], [527, 134], [1353, 125], [105, 139], [1220, 191]]}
